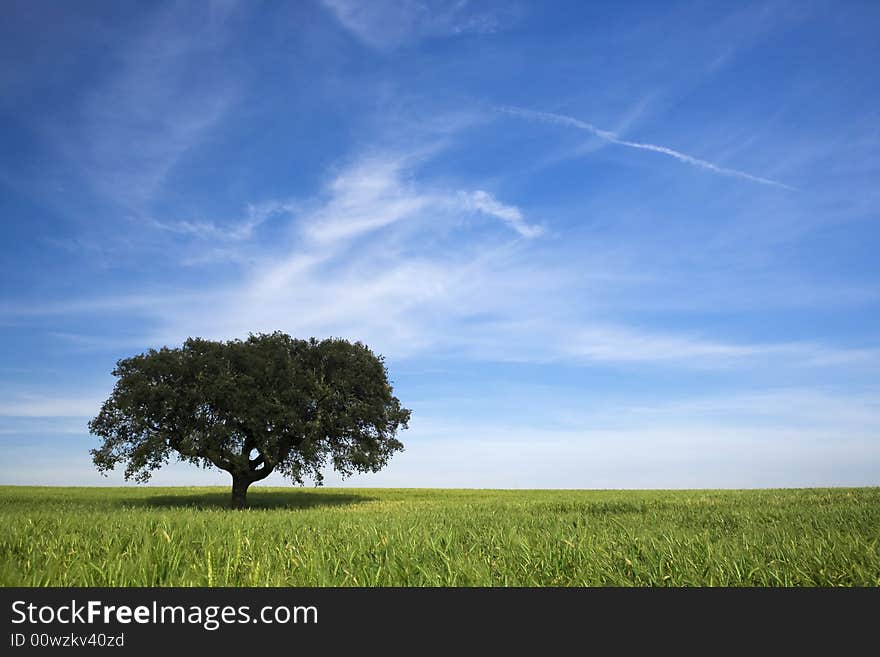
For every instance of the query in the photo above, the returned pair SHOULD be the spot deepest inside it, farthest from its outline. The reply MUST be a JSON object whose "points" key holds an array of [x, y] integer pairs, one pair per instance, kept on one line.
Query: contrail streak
{"points": [[612, 138]]}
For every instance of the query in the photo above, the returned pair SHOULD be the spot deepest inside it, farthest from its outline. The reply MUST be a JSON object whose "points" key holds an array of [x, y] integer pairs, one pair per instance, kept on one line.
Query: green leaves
{"points": [[251, 407]]}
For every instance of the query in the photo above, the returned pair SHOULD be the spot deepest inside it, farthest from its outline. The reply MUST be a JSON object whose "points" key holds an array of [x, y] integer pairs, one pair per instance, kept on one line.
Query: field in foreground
{"points": [[426, 537]]}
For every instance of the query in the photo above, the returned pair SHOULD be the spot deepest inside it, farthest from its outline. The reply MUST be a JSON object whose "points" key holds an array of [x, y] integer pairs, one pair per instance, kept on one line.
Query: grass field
{"points": [[424, 537]]}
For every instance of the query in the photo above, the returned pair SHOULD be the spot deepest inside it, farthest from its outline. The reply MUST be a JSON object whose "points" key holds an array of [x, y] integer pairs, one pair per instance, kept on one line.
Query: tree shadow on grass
{"points": [[292, 500]]}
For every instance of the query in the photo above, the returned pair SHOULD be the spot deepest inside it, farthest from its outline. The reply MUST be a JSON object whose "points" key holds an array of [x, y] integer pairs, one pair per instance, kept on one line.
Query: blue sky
{"points": [[600, 245]]}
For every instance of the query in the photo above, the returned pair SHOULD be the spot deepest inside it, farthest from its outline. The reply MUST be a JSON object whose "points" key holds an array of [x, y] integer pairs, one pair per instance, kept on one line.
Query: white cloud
{"points": [[374, 192], [233, 231], [484, 202], [366, 196]]}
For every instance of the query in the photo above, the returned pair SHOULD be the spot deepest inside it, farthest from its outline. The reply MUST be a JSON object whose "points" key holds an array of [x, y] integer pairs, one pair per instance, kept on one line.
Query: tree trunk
{"points": [[239, 492]]}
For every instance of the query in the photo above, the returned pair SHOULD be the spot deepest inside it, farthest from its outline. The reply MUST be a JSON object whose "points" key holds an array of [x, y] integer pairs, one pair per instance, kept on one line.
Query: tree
{"points": [[270, 403]]}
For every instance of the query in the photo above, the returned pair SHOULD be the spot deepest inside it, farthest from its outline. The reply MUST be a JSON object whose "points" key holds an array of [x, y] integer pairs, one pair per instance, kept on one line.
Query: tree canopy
{"points": [[270, 403]]}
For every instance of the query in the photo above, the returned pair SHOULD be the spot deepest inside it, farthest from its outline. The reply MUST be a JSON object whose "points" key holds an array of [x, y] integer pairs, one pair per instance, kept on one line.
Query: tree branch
{"points": [[257, 475]]}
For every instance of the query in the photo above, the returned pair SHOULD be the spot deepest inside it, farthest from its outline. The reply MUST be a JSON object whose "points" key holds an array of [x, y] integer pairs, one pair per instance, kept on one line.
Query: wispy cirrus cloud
{"points": [[160, 100], [387, 24], [355, 263], [614, 138], [377, 190], [484, 202], [232, 231], [368, 195]]}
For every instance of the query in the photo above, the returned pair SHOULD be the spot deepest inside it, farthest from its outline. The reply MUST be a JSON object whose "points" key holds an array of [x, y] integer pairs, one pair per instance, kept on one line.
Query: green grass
{"points": [[423, 537]]}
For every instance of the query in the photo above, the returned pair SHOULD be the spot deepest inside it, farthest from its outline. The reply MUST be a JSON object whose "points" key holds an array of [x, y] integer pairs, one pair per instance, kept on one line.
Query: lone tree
{"points": [[270, 403]]}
